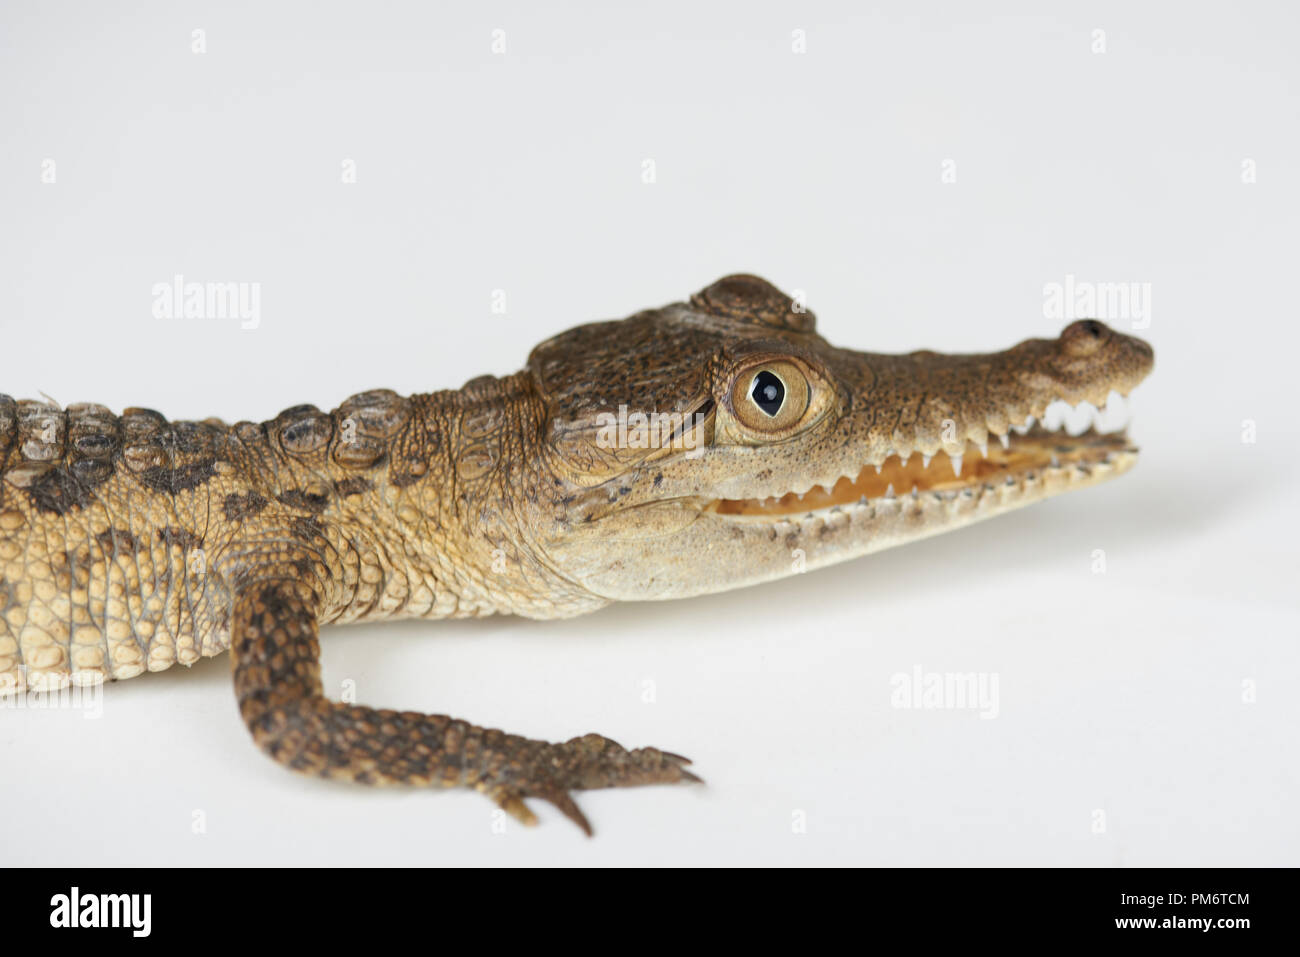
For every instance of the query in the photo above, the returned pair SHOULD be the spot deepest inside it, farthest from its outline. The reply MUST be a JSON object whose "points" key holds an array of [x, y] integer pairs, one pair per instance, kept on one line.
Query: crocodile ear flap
{"points": [[746, 298]]}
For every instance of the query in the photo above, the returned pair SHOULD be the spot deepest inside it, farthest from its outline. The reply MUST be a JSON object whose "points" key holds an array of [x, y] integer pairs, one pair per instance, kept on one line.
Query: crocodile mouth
{"points": [[1070, 445]]}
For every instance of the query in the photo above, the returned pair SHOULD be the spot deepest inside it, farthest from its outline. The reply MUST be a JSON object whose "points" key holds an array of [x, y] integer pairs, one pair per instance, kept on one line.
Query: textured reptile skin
{"points": [[122, 535]]}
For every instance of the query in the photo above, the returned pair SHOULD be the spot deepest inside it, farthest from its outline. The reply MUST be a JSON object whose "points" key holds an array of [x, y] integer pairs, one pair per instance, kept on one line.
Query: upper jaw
{"points": [[954, 413], [923, 422], [928, 422], [933, 402]]}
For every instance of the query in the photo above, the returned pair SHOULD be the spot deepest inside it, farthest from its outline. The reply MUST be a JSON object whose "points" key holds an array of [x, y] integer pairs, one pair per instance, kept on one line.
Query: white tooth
{"points": [[879, 467], [914, 492], [1055, 414], [956, 464], [1079, 418], [983, 447], [925, 461], [1114, 415], [862, 500], [889, 492], [1005, 439], [1028, 424]]}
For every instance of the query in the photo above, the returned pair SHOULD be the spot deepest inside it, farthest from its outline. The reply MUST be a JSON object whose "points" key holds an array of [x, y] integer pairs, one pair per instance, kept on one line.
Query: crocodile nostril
{"points": [[1084, 337]]}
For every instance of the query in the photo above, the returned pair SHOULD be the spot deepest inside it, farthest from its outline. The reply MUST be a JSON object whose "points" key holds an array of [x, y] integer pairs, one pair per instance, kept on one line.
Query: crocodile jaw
{"points": [[719, 544]]}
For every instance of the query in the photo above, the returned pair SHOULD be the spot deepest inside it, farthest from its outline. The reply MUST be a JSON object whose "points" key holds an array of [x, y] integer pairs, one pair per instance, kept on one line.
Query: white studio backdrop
{"points": [[415, 194]]}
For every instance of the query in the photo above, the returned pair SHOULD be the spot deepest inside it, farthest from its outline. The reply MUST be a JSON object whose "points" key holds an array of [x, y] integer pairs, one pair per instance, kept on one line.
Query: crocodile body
{"points": [[122, 534], [129, 543]]}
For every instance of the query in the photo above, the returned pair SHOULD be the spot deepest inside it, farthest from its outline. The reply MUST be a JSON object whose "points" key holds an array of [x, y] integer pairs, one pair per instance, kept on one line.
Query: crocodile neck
{"points": [[423, 513]]}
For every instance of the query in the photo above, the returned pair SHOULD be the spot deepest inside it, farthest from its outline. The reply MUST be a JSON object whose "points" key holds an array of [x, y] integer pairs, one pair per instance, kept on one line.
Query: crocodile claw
{"points": [[586, 763]]}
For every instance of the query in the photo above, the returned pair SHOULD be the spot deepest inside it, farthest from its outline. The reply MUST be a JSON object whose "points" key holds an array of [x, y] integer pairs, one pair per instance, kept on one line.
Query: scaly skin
{"points": [[128, 543]]}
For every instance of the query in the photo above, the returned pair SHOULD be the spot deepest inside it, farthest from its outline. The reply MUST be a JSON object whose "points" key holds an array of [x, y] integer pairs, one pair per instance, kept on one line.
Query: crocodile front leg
{"points": [[276, 661]]}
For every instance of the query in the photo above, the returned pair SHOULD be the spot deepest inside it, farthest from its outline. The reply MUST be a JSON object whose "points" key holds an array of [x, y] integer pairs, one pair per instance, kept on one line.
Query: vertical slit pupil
{"points": [[768, 392]]}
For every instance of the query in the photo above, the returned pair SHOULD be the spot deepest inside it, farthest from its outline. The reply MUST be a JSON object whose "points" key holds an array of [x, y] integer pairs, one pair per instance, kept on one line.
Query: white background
{"points": [[1119, 692]]}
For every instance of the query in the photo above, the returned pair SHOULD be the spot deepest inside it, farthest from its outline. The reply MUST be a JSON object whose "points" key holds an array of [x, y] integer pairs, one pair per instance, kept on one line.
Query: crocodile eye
{"points": [[770, 397]]}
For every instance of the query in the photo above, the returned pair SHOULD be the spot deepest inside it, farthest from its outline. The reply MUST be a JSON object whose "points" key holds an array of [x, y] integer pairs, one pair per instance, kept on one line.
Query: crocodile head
{"points": [[722, 442]]}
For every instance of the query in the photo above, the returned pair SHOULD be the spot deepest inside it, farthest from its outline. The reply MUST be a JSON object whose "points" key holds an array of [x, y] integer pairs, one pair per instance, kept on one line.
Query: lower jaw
{"points": [[1039, 463]]}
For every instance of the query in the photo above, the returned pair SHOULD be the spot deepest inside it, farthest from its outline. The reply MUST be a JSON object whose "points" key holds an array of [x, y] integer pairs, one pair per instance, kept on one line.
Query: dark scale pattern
{"points": [[276, 661]]}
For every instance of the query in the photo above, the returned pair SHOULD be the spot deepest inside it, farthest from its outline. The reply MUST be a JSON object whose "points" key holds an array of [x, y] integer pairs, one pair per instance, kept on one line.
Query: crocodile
{"points": [[702, 446]]}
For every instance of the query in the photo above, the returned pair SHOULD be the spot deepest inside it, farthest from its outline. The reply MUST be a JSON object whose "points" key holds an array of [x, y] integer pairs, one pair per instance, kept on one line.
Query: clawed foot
{"points": [[583, 764]]}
